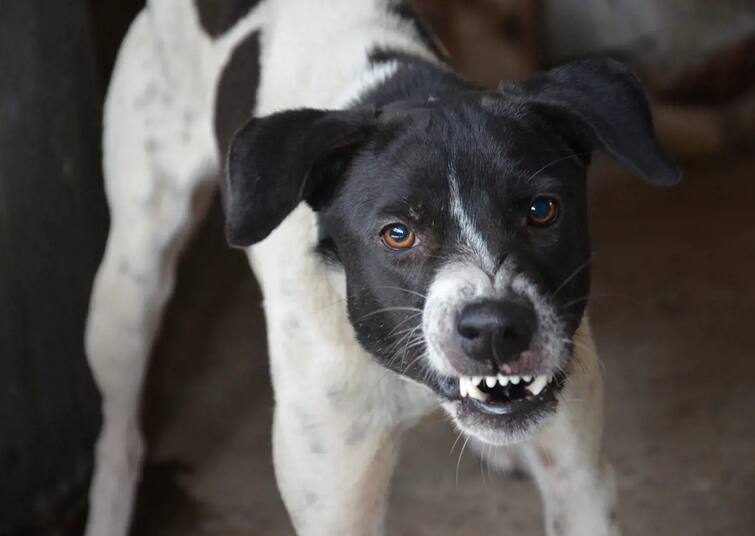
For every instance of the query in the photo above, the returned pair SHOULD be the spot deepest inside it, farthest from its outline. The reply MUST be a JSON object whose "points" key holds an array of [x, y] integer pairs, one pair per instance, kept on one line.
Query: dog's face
{"points": [[460, 226]]}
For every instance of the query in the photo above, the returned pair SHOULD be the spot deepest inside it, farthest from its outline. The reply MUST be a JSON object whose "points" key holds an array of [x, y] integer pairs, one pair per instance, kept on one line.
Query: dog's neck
{"points": [[404, 78]]}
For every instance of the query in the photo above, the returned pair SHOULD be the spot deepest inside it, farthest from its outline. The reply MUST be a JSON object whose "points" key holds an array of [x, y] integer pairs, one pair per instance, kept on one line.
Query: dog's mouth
{"points": [[501, 408], [508, 394]]}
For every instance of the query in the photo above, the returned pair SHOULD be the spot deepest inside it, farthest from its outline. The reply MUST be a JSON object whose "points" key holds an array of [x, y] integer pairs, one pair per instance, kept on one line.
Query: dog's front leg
{"points": [[336, 433], [333, 475], [565, 458]]}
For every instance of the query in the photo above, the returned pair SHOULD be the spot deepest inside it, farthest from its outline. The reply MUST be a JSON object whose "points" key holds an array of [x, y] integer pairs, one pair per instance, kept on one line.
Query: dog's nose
{"points": [[496, 331]]}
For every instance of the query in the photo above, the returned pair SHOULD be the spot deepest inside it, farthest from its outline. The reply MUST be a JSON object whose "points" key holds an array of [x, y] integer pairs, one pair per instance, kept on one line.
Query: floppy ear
{"points": [[275, 162], [601, 103]]}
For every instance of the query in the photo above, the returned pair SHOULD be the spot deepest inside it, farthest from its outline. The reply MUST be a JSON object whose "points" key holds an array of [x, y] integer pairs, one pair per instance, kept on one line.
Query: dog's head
{"points": [[460, 225]]}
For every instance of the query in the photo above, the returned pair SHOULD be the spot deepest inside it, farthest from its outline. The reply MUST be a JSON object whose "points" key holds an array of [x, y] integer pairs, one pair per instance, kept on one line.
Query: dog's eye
{"points": [[398, 236], [543, 211]]}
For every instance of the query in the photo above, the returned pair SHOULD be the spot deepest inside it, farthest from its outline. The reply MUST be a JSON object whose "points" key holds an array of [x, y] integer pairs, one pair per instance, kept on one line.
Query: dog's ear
{"points": [[600, 103], [275, 162]]}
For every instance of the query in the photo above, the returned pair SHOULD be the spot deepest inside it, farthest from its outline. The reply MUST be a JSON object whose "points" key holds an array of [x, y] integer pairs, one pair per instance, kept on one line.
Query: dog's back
{"points": [[232, 58]]}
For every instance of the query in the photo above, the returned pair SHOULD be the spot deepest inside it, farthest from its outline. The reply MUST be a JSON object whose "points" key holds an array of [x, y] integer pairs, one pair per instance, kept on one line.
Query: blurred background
{"points": [[673, 296]]}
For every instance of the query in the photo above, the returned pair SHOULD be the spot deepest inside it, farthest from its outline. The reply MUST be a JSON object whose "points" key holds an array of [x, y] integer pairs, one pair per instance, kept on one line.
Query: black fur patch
{"points": [[219, 16], [237, 91]]}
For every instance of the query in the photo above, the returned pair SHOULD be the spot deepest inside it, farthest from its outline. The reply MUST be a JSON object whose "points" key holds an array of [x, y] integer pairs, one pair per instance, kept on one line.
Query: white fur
{"points": [[453, 286], [477, 245], [337, 426]]}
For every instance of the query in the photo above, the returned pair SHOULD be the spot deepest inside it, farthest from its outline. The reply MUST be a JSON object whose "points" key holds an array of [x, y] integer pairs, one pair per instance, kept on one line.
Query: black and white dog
{"points": [[420, 242]]}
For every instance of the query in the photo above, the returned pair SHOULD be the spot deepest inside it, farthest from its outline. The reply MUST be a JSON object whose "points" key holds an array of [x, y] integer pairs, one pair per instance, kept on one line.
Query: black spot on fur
{"points": [[310, 499], [357, 433], [219, 16], [237, 91]]}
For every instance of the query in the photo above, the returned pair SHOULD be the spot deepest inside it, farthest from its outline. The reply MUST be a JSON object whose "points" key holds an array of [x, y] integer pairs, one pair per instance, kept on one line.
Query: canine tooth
{"points": [[527, 379], [503, 380], [537, 386], [475, 392], [463, 391], [515, 379], [476, 380], [490, 381]]}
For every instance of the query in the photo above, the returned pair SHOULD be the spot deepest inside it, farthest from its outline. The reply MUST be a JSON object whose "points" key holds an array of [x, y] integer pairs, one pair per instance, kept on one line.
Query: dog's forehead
{"points": [[457, 169], [427, 147]]}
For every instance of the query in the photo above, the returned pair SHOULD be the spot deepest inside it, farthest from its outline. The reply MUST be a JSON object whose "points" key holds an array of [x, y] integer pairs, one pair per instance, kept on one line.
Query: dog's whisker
{"points": [[458, 462], [407, 367], [575, 302], [415, 293], [586, 298], [554, 162], [482, 468], [453, 446], [574, 274], [389, 309], [404, 321]]}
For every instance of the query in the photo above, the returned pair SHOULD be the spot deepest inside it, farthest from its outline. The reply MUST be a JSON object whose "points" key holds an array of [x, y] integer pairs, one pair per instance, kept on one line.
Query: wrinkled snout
{"points": [[495, 333]]}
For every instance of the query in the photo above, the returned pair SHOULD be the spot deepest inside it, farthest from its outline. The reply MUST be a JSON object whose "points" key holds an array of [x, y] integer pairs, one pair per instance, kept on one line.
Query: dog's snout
{"points": [[496, 331]]}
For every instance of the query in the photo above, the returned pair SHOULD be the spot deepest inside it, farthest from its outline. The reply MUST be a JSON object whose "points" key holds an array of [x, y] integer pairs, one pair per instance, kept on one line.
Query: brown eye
{"points": [[398, 236], [543, 211]]}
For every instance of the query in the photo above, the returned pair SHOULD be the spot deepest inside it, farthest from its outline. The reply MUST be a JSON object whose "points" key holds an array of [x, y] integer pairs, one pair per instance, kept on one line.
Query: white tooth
{"points": [[476, 380], [514, 379], [537, 386], [527, 379], [490, 381], [550, 379], [463, 386], [503, 380], [474, 392]]}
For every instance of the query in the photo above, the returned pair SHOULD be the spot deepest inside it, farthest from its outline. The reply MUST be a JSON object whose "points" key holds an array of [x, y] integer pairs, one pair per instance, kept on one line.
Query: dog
{"points": [[420, 242]]}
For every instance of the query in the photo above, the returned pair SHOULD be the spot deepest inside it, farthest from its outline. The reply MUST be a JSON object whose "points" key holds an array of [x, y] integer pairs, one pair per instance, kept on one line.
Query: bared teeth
{"points": [[470, 386], [539, 383], [474, 391]]}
